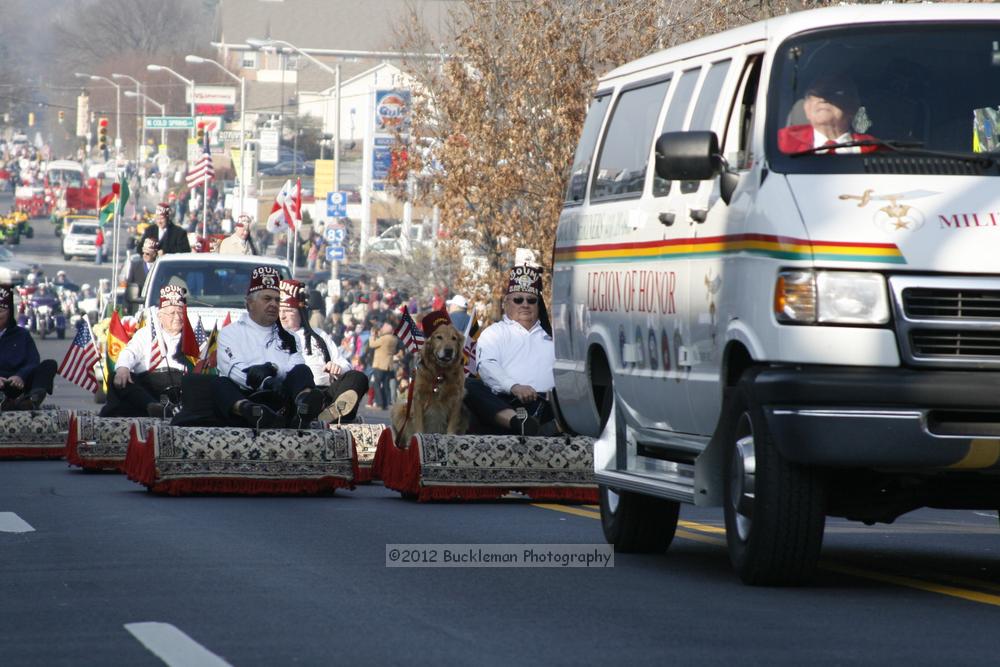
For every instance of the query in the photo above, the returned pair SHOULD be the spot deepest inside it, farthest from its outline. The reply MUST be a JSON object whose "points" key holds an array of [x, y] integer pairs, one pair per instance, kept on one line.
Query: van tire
{"points": [[634, 523], [779, 543]]}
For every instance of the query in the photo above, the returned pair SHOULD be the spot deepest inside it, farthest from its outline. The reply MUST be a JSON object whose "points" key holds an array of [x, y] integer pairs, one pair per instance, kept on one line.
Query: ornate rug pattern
{"points": [[34, 433], [102, 442], [365, 444]]}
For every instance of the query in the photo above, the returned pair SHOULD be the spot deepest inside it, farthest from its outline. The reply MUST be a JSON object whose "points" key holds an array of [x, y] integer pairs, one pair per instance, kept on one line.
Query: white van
{"points": [[750, 317]]}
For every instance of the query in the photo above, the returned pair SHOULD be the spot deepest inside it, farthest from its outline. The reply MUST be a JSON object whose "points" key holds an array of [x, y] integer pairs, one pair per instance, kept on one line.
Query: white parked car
{"points": [[79, 240]]}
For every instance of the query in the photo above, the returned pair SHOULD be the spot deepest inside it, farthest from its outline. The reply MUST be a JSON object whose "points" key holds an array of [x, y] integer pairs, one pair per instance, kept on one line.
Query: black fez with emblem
{"points": [[264, 277], [173, 295]]}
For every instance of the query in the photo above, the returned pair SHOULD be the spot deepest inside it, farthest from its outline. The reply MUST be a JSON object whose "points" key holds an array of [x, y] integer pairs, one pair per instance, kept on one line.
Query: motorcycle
{"points": [[43, 313]]}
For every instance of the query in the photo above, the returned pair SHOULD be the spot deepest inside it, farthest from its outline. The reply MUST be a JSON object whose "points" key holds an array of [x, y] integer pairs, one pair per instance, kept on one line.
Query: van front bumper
{"points": [[891, 418]]}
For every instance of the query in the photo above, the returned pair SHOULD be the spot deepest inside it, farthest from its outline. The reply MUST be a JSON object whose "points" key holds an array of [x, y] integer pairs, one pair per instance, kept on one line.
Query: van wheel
{"points": [[774, 509], [634, 523]]}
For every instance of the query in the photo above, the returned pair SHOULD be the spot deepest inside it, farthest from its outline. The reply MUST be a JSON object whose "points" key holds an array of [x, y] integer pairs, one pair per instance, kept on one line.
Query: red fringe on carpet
{"points": [[564, 494], [250, 487], [363, 474], [430, 493], [140, 459], [72, 455], [103, 464], [53, 452], [398, 468]]}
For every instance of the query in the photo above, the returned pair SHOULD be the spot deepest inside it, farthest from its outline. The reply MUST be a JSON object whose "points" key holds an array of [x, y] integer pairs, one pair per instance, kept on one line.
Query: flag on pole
{"points": [[207, 365], [408, 333], [226, 322], [78, 364], [123, 195], [118, 338], [287, 207], [108, 204], [189, 344], [199, 333], [156, 356], [203, 170]]}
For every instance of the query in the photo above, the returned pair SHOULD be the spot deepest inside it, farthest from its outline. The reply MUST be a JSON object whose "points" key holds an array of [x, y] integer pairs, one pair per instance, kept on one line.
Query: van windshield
{"points": [[218, 284], [887, 99], [65, 178]]}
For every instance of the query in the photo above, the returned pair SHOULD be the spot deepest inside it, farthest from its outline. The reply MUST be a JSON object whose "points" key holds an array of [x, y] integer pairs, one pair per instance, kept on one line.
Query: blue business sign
{"points": [[336, 204]]}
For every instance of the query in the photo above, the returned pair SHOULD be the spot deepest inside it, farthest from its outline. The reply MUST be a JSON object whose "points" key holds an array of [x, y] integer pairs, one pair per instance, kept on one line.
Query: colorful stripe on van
{"points": [[765, 245]]}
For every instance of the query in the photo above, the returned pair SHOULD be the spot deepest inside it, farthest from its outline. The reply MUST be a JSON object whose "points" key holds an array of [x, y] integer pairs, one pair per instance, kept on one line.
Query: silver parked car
{"points": [[12, 270]]}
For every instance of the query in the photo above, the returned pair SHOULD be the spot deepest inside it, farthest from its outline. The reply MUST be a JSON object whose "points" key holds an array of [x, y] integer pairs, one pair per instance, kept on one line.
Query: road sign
{"points": [[334, 235], [335, 253], [336, 204], [268, 146], [169, 122]]}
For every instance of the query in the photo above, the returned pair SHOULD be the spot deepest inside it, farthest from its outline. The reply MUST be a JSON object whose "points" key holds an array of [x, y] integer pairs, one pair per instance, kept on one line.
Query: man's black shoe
{"points": [[308, 405], [260, 416]]}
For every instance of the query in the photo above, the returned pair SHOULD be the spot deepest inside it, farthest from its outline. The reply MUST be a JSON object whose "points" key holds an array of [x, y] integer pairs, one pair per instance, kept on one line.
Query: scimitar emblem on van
{"points": [[896, 216]]}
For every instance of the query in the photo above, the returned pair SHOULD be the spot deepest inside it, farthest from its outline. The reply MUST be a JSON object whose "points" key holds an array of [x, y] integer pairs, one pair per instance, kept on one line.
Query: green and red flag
{"points": [[189, 344], [118, 338]]}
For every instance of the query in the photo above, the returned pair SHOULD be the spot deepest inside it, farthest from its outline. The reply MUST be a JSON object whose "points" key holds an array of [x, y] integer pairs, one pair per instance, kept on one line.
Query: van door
{"points": [[725, 105], [622, 208]]}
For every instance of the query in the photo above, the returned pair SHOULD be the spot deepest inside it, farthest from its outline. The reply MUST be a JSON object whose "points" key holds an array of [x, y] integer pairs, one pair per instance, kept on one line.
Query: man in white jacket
{"points": [[263, 379], [342, 386], [151, 365]]}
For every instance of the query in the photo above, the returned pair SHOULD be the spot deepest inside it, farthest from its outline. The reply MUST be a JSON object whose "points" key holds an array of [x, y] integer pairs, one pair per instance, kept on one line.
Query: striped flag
{"points": [[207, 364], [77, 366], [199, 333], [203, 170], [408, 333]]}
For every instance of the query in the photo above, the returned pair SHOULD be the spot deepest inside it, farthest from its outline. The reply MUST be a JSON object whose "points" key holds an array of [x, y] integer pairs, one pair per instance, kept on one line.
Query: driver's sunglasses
{"points": [[521, 299]]}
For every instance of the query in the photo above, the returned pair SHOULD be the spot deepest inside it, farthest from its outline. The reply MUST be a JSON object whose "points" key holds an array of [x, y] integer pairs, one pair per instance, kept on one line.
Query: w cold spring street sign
{"points": [[169, 122]]}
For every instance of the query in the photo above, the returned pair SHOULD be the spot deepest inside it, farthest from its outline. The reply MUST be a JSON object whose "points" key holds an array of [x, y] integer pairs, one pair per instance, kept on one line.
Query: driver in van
{"points": [[830, 103]]}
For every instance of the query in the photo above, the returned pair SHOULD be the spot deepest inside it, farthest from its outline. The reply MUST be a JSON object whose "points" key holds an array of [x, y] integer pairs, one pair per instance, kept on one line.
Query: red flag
{"points": [[226, 322]]}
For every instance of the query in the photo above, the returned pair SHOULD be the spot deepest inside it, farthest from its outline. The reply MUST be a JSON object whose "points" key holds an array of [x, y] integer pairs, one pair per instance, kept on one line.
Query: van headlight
{"points": [[831, 297]]}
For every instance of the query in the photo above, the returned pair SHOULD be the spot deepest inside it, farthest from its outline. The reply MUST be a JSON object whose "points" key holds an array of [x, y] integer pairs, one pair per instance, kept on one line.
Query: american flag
{"points": [[77, 366], [408, 332], [199, 333], [203, 170], [156, 356]]}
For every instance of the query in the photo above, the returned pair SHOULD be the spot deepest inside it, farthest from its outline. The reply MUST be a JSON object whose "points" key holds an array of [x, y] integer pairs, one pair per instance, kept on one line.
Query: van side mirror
{"points": [[688, 156]]}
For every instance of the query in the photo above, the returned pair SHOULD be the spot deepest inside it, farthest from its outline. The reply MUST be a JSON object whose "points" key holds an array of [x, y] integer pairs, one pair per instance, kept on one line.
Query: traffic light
{"points": [[102, 134], [62, 116], [201, 133]]}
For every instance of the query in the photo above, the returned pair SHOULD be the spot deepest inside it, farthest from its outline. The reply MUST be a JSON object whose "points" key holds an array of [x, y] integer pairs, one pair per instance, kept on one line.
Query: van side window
{"points": [[579, 174], [676, 113], [704, 108], [736, 146], [624, 156]]}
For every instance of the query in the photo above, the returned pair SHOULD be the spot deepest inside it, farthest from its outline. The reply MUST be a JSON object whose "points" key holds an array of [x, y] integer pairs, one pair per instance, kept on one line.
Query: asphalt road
{"points": [[96, 571]]}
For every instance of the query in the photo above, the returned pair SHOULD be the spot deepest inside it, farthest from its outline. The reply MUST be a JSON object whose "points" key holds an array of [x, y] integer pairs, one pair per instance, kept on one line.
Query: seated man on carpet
{"points": [[152, 363], [263, 379], [331, 372], [515, 359], [24, 377]]}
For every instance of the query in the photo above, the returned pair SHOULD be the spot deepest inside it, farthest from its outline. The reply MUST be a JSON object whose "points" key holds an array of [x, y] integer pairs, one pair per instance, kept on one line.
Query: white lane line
{"points": [[988, 515], [173, 647], [12, 523]]}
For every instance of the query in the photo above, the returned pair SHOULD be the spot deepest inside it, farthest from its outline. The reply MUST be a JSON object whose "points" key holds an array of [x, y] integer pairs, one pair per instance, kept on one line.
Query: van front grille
{"points": [[951, 303], [944, 344]]}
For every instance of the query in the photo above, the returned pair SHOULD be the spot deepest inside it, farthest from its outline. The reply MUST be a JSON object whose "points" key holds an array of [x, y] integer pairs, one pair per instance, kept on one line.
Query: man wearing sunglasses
{"points": [[515, 358]]}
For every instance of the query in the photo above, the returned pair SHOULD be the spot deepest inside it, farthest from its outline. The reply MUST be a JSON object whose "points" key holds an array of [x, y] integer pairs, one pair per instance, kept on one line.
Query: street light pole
{"points": [[118, 106], [189, 82], [161, 107], [140, 128], [243, 120], [262, 43]]}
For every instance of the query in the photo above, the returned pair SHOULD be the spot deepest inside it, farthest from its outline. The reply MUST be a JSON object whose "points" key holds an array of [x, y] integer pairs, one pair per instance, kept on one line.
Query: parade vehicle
{"points": [[31, 200], [79, 238], [216, 284], [788, 333], [66, 188], [12, 270]]}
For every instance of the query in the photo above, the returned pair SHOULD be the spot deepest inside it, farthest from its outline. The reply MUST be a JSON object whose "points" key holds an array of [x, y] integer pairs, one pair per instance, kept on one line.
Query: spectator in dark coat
{"points": [[169, 237]]}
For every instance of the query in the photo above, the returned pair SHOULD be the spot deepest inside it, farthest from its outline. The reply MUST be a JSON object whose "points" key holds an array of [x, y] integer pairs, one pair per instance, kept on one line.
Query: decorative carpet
{"points": [[366, 437], [478, 467], [180, 460], [100, 443], [34, 434]]}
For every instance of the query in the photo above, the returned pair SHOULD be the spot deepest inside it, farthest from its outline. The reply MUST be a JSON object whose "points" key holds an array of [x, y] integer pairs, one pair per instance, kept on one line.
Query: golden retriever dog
{"points": [[438, 389]]}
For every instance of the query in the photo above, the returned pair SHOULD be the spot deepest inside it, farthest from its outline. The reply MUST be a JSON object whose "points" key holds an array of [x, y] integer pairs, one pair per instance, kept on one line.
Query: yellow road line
{"points": [[906, 582]]}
